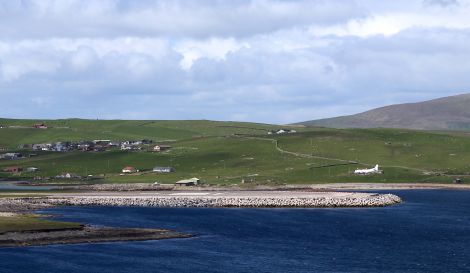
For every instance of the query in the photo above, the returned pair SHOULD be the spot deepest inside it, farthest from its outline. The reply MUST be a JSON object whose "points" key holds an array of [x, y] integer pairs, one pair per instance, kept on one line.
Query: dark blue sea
{"points": [[429, 232]]}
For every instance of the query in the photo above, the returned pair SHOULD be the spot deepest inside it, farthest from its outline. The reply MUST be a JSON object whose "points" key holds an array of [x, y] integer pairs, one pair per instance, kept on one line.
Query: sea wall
{"points": [[372, 200]]}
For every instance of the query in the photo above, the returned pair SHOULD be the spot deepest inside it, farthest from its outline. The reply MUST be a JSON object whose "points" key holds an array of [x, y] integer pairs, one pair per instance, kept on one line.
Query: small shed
{"points": [[32, 169], [188, 182], [457, 181]]}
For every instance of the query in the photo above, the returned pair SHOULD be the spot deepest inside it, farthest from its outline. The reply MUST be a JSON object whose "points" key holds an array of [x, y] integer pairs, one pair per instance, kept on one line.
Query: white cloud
{"points": [[441, 3], [267, 60], [214, 49], [205, 18]]}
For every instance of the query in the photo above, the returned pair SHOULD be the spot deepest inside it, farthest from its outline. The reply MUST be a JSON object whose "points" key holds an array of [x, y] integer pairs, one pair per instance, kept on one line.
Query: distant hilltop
{"points": [[448, 113]]}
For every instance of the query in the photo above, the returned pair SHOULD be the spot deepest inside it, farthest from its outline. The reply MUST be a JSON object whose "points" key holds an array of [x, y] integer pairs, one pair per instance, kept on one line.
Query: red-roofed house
{"points": [[40, 126], [129, 169], [13, 169]]}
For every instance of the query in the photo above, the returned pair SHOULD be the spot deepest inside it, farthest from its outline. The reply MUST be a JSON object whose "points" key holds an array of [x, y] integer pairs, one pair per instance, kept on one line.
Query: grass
{"points": [[31, 223], [78, 129], [216, 153]]}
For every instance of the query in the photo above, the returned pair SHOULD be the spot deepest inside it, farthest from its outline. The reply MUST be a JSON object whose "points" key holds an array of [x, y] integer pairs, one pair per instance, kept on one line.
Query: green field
{"points": [[78, 129], [227, 152], [31, 223]]}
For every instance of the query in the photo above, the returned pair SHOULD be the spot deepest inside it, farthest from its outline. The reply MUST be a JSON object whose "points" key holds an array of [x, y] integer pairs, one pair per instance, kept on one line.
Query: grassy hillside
{"points": [[449, 113], [210, 150], [20, 131]]}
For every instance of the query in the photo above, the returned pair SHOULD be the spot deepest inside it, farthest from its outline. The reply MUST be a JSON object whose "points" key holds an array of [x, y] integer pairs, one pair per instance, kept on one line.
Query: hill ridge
{"points": [[446, 113]]}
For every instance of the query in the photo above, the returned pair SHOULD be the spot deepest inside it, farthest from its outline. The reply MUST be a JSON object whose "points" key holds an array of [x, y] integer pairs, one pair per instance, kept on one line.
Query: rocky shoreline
{"points": [[12, 207], [86, 234], [221, 199], [175, 199]]}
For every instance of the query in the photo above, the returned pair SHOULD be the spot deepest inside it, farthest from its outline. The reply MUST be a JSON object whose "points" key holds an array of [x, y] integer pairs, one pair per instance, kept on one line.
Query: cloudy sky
{"points": [[261, 60]]}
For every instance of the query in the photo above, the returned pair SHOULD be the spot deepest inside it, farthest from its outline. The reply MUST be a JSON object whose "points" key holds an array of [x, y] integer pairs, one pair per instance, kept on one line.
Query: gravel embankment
{"points": [[252, 199]]}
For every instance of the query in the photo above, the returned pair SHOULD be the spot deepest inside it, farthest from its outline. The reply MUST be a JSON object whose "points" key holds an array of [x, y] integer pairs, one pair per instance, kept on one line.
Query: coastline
{"points": [[85, 234], [291, 187], [388, 186], [21, 206], [240, 199], [11, 206]]}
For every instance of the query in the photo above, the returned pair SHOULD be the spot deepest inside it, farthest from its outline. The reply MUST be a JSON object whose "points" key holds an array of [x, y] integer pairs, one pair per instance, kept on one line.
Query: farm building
{"points": [[129, 169], [281, 131], [13, 169], [161, 148], [68, 176], [188, 182], [40, 126], [163, 169], [102, 142], [32, 169]]}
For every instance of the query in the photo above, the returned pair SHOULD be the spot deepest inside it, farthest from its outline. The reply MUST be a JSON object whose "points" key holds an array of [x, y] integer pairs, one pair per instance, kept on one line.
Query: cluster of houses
{"points": [[141, 145], [11, 156], [19, 169], [126, 170], [281, 131], [134, 144], [98, 145], [65, 146], [158, 169], [36, 126]]}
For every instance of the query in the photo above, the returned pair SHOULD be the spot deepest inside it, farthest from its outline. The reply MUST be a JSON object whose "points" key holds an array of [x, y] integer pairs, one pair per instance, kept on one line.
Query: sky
{"points": [[267, 61]]}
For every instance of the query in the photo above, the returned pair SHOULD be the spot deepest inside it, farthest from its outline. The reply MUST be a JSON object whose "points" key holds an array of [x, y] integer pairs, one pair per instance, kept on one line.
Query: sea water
{"points": [[428, 232]]}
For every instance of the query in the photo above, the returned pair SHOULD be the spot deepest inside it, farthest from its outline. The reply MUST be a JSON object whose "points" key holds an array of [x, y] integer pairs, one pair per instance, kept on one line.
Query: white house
{"points": [[282, 131], [161, 148]]}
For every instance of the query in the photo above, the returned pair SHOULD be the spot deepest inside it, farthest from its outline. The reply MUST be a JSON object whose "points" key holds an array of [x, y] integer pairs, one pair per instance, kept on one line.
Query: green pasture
{"points": [[229, 152], [30, 223]]}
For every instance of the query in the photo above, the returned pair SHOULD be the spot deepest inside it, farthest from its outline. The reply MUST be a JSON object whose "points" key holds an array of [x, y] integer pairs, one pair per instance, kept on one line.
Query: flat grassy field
{"points": [[31, 223], [229, 152]]}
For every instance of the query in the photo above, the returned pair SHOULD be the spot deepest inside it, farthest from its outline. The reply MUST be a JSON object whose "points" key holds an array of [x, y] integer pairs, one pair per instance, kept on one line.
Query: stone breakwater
{"points": [[352, 200]]}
